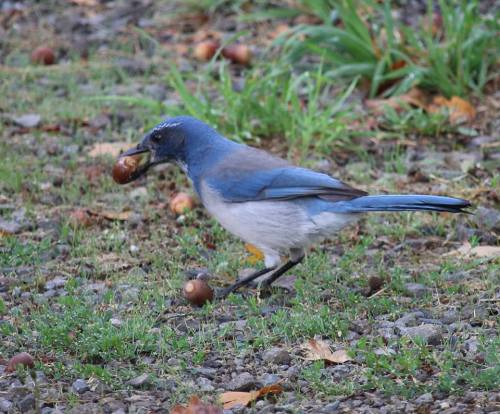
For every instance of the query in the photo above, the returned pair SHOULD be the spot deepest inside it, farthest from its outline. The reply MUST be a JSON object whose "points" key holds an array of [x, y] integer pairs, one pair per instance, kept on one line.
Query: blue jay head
{"points": [[184, 140], [166, 142]]}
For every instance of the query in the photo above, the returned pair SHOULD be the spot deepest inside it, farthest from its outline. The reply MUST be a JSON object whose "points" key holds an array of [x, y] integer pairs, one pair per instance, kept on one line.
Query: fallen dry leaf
{"points": [[112, 263], [319, 350], [112, 215], [85, 217], [233, 398], [415, 97], [196, 406], [82, 217], [113, 149], [255, 254], [459, 109], [479, 251], [88, 3]]}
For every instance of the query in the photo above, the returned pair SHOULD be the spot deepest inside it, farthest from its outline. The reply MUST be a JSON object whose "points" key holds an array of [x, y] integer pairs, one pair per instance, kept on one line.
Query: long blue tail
{"points": [[411, 202]]}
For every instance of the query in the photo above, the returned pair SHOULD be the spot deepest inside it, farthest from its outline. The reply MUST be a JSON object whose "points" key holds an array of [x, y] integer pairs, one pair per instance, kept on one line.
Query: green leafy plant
{"points": [[363, 39], [319, 9], [308, 110], [268, 102], [416, 121]]}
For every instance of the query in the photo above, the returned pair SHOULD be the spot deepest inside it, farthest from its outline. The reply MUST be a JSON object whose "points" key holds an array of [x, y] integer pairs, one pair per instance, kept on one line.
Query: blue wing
{"points": [[254, 175]]}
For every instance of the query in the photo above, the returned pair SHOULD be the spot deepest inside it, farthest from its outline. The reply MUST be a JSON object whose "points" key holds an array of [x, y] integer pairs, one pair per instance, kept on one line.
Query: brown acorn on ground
{"points": [[43, 55], [205, 50], [198, 292], [238, 53], [181, 203], [81, 217], [23, 359]]}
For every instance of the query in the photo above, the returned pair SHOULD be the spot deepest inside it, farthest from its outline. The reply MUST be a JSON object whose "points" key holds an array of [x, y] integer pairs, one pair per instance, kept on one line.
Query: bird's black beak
{"points": [[138, 149]]}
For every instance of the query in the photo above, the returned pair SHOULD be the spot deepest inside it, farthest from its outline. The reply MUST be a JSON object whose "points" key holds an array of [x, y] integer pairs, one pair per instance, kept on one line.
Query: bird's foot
{"points": [[243, 282]]}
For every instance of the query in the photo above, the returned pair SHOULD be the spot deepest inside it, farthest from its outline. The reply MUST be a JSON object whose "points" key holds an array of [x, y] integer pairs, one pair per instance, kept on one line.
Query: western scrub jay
{"points": [[264, 200]]}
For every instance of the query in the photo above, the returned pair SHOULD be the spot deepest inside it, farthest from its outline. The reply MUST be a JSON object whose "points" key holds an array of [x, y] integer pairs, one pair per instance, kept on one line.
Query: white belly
{"points": [[273, 225]]}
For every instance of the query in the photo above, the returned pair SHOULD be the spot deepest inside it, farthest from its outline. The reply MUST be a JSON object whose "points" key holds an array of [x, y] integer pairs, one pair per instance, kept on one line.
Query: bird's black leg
{"points": [[272, 277], [279, 272], [245, 281]]}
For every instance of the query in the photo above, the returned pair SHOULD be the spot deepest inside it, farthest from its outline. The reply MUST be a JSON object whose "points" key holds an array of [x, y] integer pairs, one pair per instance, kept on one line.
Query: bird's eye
{"points": [[156, 138]]}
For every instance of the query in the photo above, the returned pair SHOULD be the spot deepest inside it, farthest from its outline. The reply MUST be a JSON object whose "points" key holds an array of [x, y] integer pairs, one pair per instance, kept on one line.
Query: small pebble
{"points": [[139, 381], [415, 290], [331, 408], [5, 405], [277, 356], [269, 379], [27, 403], [426, 398], [431, 334], [80, 386], [243, 382]]}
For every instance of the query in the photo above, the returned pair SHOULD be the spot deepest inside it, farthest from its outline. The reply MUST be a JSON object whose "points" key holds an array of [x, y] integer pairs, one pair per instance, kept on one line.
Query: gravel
{"points": [[269, 379], [80, 386], [277, 356], [26, 403], [415, 290], [243, 382], [431, 334], [330, 408], [139, 381], [5, 405], [426, 398]]}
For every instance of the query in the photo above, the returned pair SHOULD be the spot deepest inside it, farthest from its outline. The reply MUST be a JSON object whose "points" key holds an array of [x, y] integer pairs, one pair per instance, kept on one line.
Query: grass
{"points": [[267, 102], [417, 122], [78, 326], [363, 39], [272, 103], [75, 334]]}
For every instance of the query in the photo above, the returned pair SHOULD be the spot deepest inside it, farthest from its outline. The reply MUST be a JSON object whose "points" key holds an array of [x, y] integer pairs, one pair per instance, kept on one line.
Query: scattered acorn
{"points": [[124, 168], [238, 53], [43, 55], [205, 50], [23, 358], [198, 292], [181, 203], [81, 218]]}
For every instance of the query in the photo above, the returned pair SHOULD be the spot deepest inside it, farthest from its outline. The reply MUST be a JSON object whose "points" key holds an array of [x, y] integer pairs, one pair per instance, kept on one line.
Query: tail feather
{"points": [[412, 202]]}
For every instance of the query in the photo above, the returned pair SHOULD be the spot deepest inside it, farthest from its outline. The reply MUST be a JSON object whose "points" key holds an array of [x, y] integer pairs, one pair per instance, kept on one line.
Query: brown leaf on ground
{"points": [[319, 350], [233, 398], [196, 406], [113, 215], [415, 97], [113, 149], [479, 251], [460, 110], [82, 217], [87, 3]]}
